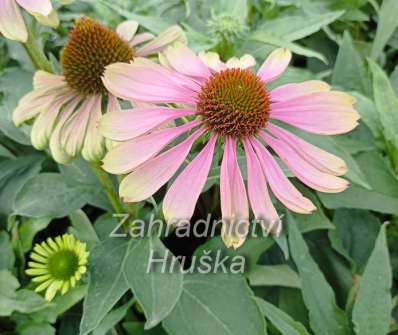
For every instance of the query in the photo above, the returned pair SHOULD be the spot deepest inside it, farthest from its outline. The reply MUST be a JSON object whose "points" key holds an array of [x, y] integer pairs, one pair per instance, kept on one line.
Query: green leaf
{"points": [[373, 306], [269, 37], [152, 23], [358, 197], [61, 304], [37, 328], [14, 173], [297, 25], [113, 318], [367, 110], [386, 102], [348, 69], [383, 196], [48, 195], [80, 173], [274, 275], [22, 301], [355, 235], [326, 318], [29, 228], [82, 228], [219, 304], [282, 321], [107, 284], [14, 83], [386, 26], [157, 286], [7, 257], [251, 250]]}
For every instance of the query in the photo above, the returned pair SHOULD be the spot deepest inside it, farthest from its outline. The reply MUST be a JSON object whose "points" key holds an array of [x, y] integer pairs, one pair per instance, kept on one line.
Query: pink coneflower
{"points": [[231, 106], [12, 25], [67, 107]]}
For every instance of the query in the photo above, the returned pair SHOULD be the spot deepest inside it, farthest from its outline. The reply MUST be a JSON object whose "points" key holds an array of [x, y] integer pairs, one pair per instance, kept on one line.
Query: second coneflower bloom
{"points": [[230, 105], [66, 108]]}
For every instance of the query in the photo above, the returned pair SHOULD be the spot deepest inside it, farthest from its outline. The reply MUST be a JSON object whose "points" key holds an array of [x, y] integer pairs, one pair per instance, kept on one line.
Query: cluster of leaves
{"points": [[329, 273]]}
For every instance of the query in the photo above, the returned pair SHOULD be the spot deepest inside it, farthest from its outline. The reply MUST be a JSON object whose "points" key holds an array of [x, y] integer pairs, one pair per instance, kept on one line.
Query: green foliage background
{"points": [[331, 273]]}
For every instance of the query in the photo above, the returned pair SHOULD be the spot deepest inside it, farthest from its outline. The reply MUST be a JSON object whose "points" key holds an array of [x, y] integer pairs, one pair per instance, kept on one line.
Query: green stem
{"points": [[106, 182], [36, 54]]}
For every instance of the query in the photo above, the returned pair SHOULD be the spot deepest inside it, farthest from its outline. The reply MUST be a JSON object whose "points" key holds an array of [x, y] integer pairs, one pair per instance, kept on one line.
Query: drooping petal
{"points": [[260, 201], [275, 64], [180, 200], [128, 155], [141, 38], [212, 60], [163, 40], [184, 60], [280, 185], [57, 149], [245, 62], [48, 81], [153, 174], [12, 25], [45, 122], [94, 146], [234, 204], [309, 175], [321, 159], [127, 29], [324, 113], [42, 7], [74, 130], [147, 81], [130, 123], [50, 20], [294, 90]]}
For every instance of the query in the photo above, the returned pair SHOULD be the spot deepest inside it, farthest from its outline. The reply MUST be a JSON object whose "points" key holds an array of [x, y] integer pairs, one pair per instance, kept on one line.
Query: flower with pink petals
{"points": [[233, 107], [67, 107], [12, 24]]}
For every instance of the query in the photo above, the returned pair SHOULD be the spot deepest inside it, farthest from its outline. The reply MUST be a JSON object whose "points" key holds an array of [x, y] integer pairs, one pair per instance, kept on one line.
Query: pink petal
{"points": [[180, 200], [147, 81], [323, 113], [260, 201], [234, 204], [275, 64], [322, 160], [130, 123], [127, 29], [309, 175], [128, 155], [291, 91], [162, 41], [280, 185], [185, 61], [42, 7], [12, 25], [154, 173]]}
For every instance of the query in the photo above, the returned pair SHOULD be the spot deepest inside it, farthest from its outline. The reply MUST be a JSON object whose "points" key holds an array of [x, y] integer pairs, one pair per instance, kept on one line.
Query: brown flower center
{"points": [[90, 48], [234, 102]]}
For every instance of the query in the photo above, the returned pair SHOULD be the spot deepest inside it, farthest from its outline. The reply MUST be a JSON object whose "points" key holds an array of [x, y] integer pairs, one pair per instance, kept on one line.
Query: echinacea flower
{"points": [[57, 265], [67, 107], [12, 24], [234, 107]]}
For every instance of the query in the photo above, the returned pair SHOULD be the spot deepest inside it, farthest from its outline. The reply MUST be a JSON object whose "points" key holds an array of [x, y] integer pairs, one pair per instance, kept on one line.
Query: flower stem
{"points": [[106, 182], [36, 54]]}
